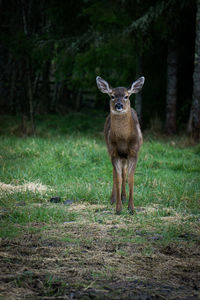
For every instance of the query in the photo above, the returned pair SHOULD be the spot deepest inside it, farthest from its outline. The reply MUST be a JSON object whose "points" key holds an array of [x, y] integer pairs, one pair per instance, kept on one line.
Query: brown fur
{"points": [[123, 143], [123, 138]]}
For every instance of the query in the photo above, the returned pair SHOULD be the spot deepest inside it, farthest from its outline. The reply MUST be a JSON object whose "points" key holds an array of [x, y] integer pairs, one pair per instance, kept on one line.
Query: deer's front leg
{"points": [[117, 182], [131, 170]]}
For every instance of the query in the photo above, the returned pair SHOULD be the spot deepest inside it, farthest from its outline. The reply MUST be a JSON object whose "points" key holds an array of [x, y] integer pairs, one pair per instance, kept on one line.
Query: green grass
{"points": [[68, 156], [50, 249]]}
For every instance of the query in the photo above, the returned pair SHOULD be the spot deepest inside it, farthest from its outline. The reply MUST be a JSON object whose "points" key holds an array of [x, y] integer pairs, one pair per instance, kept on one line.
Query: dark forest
{"points": [[51, 52]]}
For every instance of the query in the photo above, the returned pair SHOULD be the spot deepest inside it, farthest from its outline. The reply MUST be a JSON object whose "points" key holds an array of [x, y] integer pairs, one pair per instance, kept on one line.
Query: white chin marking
{"points": [[118, 111]]}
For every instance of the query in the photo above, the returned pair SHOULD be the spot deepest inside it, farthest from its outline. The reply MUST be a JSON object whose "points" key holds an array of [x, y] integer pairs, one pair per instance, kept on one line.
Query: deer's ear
{"points": [[103, 85], [136, 86]]}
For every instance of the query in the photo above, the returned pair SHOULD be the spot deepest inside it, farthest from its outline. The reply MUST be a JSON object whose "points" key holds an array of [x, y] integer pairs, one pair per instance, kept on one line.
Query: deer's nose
{"points": [[118, 106]]}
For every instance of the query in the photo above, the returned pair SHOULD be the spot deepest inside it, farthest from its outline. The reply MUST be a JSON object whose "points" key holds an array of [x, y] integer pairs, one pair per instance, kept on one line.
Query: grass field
{"points": [[78, 248]]}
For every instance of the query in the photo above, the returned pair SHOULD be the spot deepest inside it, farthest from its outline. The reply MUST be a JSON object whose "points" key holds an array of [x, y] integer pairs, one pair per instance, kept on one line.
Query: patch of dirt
{"points": [[82, 206], [30, 186], [77, 261]]}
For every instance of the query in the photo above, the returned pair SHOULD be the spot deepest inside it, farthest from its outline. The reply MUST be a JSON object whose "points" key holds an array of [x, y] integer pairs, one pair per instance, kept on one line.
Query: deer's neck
{"points": [[122, 125]]}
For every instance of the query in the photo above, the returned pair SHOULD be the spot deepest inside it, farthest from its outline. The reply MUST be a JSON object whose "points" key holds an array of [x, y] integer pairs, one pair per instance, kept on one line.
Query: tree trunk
{"points": [[30, 97], [78, 101], [172, 66], [138, 97], [45, 88], [12, 86], [28, 66], [194, 121]]}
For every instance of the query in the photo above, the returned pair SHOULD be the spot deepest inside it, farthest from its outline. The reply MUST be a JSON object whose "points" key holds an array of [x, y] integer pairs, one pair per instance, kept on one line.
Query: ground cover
{"points": [[78, 248]]}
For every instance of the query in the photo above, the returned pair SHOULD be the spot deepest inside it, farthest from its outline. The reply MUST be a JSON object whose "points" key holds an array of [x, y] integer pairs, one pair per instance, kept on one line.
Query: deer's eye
{"points": [[113, 97], [125, 97]]}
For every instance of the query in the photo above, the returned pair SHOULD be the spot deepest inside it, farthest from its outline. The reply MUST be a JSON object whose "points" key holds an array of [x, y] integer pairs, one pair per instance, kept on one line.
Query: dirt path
{"points": [[90, 261]]}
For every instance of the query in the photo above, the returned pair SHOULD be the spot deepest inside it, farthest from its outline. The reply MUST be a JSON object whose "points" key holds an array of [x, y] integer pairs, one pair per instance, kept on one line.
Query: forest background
{"points": [[59, 235], [51, 52]]}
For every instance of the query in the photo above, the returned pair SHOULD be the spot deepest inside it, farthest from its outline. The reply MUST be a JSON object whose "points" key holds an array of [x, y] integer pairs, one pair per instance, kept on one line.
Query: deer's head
{"points": [[119, 97]]}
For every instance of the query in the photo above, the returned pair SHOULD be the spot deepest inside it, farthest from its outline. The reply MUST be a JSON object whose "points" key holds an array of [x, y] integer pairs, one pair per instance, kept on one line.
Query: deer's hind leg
{"points": [[124, 172], [131, 170]]}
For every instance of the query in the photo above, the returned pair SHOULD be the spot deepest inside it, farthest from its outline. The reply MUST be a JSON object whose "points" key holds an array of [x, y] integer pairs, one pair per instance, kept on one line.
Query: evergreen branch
{"points": [[153, 13]]}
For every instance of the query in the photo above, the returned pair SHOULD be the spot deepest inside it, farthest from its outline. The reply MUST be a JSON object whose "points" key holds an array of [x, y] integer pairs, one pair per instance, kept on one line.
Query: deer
{"points": [[123, 139]]}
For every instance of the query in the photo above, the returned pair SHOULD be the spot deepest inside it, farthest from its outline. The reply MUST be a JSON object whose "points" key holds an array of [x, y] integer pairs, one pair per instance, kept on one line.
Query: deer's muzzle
{"points": [[118, 106]]}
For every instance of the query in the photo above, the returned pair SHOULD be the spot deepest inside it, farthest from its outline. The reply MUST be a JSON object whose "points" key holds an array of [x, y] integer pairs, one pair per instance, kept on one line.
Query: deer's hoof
{"points": [[118, 210], [131, 210], [112, 200]]}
